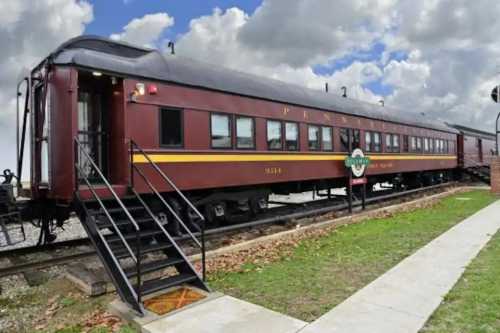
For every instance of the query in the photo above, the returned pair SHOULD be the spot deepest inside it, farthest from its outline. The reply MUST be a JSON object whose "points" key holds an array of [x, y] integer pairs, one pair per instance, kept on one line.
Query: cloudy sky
{"points": [[433, 56]]}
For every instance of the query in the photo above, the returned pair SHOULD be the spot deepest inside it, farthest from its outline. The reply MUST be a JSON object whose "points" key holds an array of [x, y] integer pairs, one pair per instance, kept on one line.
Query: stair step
{"points": [[121, 252], [109, 199], [133, 236], [130, 209], [153, 266], [152, 286], [122, 222], [115, 210]]}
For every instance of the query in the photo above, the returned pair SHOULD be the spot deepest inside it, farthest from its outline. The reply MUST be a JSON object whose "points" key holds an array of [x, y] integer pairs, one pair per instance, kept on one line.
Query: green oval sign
{"points": [[357, 162]]}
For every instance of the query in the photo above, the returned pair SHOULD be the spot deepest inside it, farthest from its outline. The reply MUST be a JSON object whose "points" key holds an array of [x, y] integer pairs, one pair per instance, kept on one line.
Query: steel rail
{"points": [[16, 269]]}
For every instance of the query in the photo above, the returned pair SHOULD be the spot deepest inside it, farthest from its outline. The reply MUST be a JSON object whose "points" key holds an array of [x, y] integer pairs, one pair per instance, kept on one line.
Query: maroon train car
{"points": [[140, 144], [476, 147], [225, 138]]}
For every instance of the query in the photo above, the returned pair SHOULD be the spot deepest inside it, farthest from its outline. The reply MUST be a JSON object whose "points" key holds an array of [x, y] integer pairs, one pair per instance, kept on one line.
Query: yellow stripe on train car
{"points": [[211, 158]]}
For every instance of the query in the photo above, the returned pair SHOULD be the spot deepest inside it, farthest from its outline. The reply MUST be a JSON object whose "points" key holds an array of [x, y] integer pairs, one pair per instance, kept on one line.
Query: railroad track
{"points": [[275, 215]]}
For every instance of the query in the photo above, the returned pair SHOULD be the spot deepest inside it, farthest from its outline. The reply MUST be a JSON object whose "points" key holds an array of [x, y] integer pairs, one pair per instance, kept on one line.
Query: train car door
{"points": [[92, 126]]}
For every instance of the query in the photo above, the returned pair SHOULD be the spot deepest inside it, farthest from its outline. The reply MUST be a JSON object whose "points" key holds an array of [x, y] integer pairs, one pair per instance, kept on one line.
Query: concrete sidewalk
{"points": [[399, 301], [225, 314], [402, 299]]}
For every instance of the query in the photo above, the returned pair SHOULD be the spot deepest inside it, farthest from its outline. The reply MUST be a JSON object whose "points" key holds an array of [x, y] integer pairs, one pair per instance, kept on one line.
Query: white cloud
{"points": [[302, 32], [446, 64], [29, 30], [216, 39], [457, 45], [145, 30], [451, 47]]}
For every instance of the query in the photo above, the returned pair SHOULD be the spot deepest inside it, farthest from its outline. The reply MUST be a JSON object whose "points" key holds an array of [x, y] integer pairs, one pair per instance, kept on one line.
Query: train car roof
{"points": [[473, 132], [100, 53]]}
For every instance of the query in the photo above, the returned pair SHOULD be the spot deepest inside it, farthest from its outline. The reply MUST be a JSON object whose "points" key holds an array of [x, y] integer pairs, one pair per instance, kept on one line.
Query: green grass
{"points": [[27, 310], [473, 305], [322, 272]]}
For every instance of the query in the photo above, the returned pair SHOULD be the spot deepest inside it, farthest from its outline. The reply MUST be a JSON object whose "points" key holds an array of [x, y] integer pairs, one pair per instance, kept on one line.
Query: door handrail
{"points": [[137, 256], [108, 185], [111, 220]]}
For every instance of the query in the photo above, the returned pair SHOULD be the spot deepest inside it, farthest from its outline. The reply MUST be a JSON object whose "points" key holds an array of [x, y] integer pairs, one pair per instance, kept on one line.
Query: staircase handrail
{"points": [[166, 178], [201, 244]]}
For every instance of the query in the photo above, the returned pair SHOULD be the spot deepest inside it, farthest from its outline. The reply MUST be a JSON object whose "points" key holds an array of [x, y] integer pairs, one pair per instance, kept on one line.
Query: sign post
{"points": [[357, 163]]}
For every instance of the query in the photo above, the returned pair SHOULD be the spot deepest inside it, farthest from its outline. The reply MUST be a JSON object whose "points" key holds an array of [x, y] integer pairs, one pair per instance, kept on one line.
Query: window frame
{"points": [[322, 142], [426, 145], [388, 148], [281, 134], [353, 131], [320, 137], [348, 139], [419, 144], [369, 147], [396, 149], [254, 139], [406, 144], [380, 145], [231, 130], [285, 147], [160, 132]]}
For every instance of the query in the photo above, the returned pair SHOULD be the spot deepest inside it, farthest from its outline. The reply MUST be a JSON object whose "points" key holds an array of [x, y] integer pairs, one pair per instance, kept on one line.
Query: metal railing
{"points": [[81, 175], [200, 243]]}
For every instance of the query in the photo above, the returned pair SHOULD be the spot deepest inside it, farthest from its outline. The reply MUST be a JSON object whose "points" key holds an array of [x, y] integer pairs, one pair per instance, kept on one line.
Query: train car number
{"points": [[273, 171]]}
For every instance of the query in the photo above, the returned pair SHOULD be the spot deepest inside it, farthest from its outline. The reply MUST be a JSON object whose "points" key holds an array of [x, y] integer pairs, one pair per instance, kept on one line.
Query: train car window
{"points": [[245, 133], [446, 146], [274, 141], [419, 145], [406, 148], [377, 142], [388, 143], [171, 128], [431, 146], [313, 137], [292, 136], [426, 145], [356, 139], [395, 143], [327, 138], [368, 141], [344, 139], [413, 144], [221, 131]]}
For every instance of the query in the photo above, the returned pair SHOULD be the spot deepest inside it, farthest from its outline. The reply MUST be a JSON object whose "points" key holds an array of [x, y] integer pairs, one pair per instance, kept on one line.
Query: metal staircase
{"points": [[125, 231], [478, 171]]}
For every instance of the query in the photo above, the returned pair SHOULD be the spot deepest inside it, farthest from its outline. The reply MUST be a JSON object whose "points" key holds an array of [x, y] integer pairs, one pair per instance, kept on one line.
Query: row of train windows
{"points": [[280, 135], [284, 135]]}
